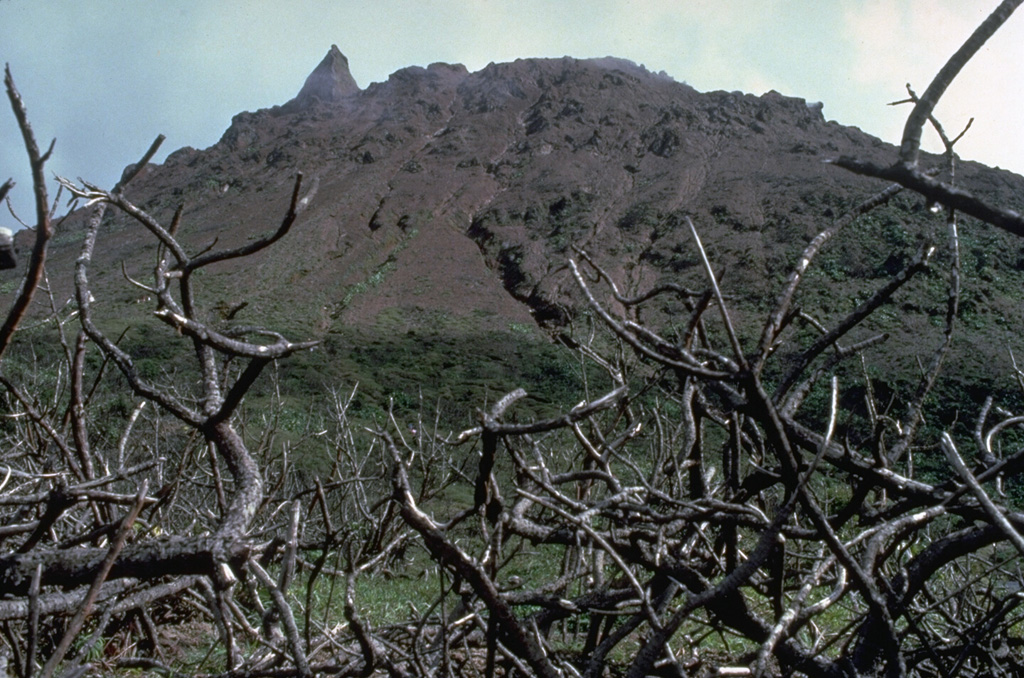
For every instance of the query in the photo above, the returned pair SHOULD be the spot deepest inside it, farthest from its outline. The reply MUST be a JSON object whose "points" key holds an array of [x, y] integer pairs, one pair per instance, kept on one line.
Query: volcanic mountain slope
{"points": [[448, 202]]}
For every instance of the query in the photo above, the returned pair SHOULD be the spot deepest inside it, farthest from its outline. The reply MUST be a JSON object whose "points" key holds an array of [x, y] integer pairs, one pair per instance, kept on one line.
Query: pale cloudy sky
{"points": [[106, 76]]}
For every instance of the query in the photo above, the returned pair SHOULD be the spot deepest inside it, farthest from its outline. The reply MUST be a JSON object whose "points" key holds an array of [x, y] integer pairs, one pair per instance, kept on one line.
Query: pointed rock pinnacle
{"points": [[330, 81]]}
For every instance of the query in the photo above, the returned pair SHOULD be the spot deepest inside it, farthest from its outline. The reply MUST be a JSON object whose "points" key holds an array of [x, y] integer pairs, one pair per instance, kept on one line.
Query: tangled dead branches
{"points": [[694, 517]]}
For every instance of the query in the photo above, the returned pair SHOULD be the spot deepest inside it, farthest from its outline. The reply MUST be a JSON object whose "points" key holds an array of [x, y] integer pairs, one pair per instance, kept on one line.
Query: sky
{"points": [[105, 77]]}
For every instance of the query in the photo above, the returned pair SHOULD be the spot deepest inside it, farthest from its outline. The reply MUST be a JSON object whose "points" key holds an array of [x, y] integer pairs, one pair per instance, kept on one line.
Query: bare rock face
{"points": [[329, 82], [452, 195]]}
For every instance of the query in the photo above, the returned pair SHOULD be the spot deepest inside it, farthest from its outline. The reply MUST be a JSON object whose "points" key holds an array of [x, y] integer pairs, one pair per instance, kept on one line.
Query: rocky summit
{"points": [[450, 201], [331, 81]]}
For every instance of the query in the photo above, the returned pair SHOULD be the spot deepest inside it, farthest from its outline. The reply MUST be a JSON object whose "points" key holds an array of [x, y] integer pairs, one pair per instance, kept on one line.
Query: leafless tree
{"points": [[713, 531], [101, 539]]}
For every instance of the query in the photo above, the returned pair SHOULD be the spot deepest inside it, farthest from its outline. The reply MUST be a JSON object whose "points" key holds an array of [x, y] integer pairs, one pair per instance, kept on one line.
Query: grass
{"points": [[380, 272]]}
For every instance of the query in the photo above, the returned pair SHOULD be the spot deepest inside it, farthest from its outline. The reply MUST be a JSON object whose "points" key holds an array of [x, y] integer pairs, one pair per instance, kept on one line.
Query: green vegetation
{"points": [[420, 369], [768, 480]]}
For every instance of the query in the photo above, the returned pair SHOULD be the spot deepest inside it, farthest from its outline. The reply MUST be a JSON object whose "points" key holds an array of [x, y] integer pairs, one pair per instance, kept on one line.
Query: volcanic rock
{"points": [[331, 81], [451, 201]]}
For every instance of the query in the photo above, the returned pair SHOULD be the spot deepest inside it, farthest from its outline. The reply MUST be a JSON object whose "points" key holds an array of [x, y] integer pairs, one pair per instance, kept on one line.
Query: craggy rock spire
{"points": [[329, 82]]}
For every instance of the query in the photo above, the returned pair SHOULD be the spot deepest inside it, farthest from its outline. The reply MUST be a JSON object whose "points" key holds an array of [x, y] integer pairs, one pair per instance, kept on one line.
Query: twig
{"points": [[75, 625], [993, 512], [44, 228], [284, 610], [911, 144], [33, 622], [741, 360]]}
